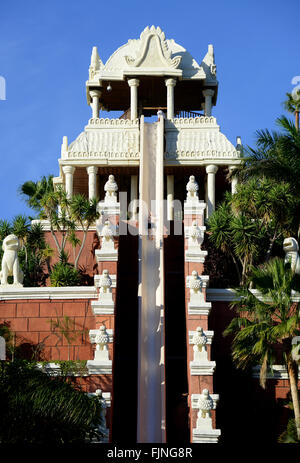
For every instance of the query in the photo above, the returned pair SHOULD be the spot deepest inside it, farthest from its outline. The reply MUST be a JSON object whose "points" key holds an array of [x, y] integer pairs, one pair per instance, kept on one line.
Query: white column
{"points": [[211, 186], [92, 173], [133, 197], [234, 180], [133, 84], [170, 197], [69, 171], [95, 95], [208, 94], [170, 84]]}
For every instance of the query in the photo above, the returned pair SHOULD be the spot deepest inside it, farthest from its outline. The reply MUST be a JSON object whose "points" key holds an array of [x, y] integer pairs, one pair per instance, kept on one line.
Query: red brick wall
{"points": [[30, 320]]}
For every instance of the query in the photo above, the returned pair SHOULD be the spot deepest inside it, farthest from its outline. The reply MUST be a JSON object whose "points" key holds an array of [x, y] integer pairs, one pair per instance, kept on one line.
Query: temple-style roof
{"points": [[150, 55], [151, 58]]}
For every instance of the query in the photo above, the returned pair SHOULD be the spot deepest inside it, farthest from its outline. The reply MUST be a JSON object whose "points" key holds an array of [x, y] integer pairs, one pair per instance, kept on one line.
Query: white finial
{"points": [[192, 187], [105, 282], [195, 282], [211, 50], [199, 340], [107, 232], [101, 339], [64, 146], [95, 57], [111, 189], [205, 404]]}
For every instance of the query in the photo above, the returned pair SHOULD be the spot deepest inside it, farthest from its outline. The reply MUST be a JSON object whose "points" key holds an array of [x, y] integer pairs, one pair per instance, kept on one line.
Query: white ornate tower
{"points": [[146, 77]]}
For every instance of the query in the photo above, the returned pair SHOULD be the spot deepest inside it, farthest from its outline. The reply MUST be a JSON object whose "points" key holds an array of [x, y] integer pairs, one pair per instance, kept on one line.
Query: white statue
{"points": [[291, 248], [10, 261], [192, 188], [111, 189], [105, 282], [102, 339], [195, 283], [199, 340], [205, 404]]}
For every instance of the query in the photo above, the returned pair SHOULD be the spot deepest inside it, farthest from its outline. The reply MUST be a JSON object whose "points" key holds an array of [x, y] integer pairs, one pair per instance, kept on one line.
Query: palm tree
{"points": [[276, 156], [267, 319], [39, 409], [292, 105], [83, 211], [34, 191]]}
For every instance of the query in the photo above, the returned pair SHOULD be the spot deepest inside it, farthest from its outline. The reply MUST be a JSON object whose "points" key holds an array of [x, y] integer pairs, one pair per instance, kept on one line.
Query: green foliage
{"points": [[35, 191], [266, 318], [64, 274], [65, 215], [37, 409], [267, 322], [247, 225], [69, 367], [289, 436], [276, 156], [34, 254]]}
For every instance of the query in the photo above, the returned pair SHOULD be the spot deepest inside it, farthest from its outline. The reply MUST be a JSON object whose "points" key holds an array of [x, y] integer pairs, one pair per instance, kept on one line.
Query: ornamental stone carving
{"points": [[205, 404], [291, 248], [10, 262], [204, 432], [200, 365], [196, 236], [105, 282], [111, 189], [192, 188], [107, 235], [153, 51], [195, 283], [199, 340], [101, 363], [101, 339]]}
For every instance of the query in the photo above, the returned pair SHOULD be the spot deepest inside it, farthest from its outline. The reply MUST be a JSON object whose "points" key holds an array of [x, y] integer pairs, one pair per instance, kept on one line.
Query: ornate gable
{"points": [[153, 51]]}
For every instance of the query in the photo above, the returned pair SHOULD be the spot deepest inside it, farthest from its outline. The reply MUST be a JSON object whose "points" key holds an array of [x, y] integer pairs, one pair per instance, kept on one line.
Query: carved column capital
{"points": [[68, 170], [208, 92], [211, 169], [95, 93], [170, 82], [92, 170], [133, 82]]}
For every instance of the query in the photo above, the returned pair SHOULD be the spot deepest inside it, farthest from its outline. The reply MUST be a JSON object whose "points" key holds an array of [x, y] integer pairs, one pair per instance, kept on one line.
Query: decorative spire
{"points": [[209, 62], [96, 63]]}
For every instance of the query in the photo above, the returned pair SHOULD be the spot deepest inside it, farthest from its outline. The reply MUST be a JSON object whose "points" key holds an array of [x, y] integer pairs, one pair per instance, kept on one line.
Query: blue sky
{"points": [[45, 49]]}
